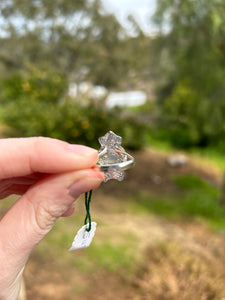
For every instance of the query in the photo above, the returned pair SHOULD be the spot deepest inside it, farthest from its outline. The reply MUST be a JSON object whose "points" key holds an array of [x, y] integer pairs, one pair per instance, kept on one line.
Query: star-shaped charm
{"points": [[112, 153]]}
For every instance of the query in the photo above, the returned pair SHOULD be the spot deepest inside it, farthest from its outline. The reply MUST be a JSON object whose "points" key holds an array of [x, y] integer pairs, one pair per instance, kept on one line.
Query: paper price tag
{"points": [[83, 238]]}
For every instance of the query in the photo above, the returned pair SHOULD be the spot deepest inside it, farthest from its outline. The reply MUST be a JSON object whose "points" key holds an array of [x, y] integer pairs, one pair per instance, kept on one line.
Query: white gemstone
{"points": [[115, 154]]}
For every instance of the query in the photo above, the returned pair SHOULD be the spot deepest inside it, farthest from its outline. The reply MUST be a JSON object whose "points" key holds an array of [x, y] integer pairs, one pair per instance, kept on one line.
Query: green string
{"points": [[87, 205]]}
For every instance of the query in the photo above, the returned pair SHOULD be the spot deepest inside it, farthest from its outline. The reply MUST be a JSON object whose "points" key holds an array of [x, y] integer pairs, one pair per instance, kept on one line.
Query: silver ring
{"points": [[113, 159], [120, 165]]}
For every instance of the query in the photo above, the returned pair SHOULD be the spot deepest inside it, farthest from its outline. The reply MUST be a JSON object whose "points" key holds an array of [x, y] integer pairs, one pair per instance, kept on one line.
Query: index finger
{"points": [[24, 156]]}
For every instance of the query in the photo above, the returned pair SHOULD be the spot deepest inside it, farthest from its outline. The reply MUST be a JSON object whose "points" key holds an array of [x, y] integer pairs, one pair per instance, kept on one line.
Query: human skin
{"points": [[49, 175]]}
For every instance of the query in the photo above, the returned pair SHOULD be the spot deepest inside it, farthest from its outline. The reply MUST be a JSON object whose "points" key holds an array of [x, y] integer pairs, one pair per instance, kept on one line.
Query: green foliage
{"points": [[160, 141], [212, 156], [39, 85], [55, 44], [197, 199], [109, 254], [79, 38], [113, 257], [192, 181], [192, 84], [187, 113], [34, 104]]}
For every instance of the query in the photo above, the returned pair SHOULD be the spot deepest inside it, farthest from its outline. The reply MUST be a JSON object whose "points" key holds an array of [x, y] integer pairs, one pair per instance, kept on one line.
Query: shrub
{"points": [[34, 104]]}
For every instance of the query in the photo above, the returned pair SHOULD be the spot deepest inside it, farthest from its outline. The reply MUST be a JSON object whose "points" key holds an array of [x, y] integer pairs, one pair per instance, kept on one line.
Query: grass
{"points": [[159, 144], [176, 271], [209, 155], [78, 289], [113, 257], [193, 182], [106, 254], [197, 199]]}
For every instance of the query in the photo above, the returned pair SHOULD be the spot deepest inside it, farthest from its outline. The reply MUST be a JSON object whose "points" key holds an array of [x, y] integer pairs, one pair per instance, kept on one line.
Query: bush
{"points": [[188, 118], [34, 104]]}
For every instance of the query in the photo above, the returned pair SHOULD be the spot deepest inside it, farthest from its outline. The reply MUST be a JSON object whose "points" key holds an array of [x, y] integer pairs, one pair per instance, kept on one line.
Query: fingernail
{"points": [[80, 149], [82, 186], [77, 189]]}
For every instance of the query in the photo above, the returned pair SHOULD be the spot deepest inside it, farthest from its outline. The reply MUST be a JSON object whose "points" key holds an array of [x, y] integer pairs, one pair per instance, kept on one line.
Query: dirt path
{"points": [[153, 174], [180, 260], [173, 260]]}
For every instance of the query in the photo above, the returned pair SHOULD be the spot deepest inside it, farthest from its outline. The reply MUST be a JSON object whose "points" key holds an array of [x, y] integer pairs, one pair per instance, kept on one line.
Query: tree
{"points": [[68, 35], [192, 54], [44, 45]]}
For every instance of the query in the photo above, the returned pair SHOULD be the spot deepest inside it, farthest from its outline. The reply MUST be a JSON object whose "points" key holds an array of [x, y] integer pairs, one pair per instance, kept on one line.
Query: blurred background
{"points": [[152, 71]]}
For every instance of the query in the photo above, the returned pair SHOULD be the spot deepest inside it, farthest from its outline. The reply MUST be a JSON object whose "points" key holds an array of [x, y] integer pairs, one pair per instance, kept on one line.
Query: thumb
{"points": [[34, 214]]}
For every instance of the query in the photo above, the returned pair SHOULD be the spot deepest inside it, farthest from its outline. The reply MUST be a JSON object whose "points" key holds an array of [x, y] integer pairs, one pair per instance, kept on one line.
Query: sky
{"points": [[141, 9]]}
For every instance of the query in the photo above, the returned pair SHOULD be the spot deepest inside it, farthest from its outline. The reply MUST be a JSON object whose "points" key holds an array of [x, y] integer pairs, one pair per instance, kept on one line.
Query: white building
{"points": [[112, 99], [130, 98]]}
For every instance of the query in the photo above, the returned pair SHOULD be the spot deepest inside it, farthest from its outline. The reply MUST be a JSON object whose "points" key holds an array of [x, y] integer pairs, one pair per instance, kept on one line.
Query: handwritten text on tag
{"points": [[83, 238]]}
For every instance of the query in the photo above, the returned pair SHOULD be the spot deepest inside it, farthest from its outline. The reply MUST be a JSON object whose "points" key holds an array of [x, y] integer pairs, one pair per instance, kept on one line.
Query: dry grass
{"points": [[173, 271], [135, 255]]}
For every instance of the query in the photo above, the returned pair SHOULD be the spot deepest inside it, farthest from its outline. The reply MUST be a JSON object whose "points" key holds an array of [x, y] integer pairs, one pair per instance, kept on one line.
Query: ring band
{"points": [[120, 165]]}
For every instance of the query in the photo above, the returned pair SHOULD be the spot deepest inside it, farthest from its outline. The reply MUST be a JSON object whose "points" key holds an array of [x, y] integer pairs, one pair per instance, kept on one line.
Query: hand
{"points": [[49, 174]]}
